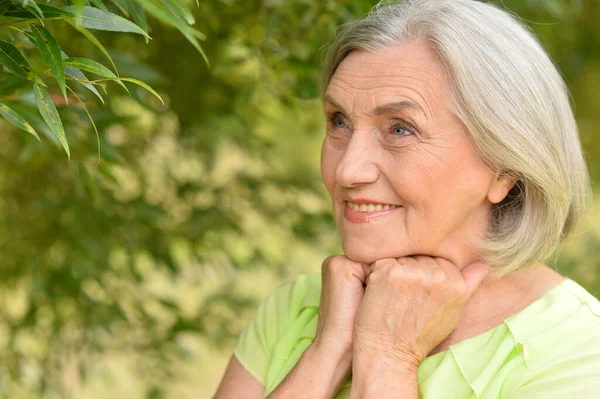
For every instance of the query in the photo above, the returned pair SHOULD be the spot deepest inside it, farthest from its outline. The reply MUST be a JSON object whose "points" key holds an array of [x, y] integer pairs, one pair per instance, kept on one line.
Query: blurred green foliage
{"points": [[199, 207]]}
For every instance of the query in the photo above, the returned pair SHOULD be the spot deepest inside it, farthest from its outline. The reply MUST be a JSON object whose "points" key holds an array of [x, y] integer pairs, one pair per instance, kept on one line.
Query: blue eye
{"points": [[400, 131], [337, 122]]}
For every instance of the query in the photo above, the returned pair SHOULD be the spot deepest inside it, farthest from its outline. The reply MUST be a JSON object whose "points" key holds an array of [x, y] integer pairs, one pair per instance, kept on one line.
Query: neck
{"points": [[496, 300]]}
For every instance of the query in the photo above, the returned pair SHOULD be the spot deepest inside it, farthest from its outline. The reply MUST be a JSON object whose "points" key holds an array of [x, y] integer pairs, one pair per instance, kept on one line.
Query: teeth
{"points": [[370, 207]]}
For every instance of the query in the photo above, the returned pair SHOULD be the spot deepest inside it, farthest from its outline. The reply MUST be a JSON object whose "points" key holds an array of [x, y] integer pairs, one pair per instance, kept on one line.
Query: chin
{"points": [[367, 254]]}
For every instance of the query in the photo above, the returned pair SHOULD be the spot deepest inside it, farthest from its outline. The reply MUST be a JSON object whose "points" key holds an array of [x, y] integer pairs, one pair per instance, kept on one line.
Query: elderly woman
{"points": [[454, 166]]}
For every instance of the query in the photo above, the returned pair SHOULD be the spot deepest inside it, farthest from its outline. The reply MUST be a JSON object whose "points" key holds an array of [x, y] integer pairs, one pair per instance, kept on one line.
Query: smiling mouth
{"points": [[369, 208]]}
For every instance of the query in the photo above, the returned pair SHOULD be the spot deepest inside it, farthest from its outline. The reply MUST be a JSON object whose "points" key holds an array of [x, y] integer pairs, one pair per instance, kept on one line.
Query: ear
{"points": [[503, 182]]}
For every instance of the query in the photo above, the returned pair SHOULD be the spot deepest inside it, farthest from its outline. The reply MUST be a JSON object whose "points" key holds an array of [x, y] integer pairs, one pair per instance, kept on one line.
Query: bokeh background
{"points": [[132, 278]]}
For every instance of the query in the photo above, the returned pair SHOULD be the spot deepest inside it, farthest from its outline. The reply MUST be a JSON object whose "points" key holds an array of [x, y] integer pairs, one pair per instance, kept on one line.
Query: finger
{"points": [[473, 275], [366, 268]]}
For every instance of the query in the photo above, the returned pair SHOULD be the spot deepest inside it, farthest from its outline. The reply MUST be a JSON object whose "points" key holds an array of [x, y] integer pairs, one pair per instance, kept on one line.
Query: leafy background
{"points": [[130, 274]]}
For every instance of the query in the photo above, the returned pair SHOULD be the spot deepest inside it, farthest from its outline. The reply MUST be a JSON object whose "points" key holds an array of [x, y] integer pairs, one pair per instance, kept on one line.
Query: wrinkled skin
{"points": [[393, 139]]}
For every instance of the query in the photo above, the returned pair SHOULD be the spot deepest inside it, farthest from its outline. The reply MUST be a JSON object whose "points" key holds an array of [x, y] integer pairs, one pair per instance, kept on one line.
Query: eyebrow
{"points": [[381, 109]]}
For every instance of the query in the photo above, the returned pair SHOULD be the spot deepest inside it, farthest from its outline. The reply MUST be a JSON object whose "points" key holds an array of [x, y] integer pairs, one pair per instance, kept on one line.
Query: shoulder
{"points": [[567, 317], [560, 343], [280, 320], [303, 291], [282, 307]]}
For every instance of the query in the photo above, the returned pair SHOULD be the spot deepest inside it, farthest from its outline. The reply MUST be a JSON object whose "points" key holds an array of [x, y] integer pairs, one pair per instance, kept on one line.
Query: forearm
{"points": [[318, 374], [381, 378]]}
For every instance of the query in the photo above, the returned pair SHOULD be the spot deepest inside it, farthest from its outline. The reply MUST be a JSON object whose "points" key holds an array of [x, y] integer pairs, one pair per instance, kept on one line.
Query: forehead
{"points": [[408, 71]]}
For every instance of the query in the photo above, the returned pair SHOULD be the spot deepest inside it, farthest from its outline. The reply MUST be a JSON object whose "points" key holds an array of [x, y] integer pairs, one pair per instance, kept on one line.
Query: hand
{"points": [[325, 364], [341, 294], [410, 305]]}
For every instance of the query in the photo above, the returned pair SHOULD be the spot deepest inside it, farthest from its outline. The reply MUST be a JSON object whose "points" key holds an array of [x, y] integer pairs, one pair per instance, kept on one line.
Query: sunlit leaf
{"points": [[90, 66], [145, 86], [50, 51], [91, 38], [137, 12], [94, 67], [179, 8], [14, 61], [50, 114], [16, 119], [94, 18], [77, 74]]}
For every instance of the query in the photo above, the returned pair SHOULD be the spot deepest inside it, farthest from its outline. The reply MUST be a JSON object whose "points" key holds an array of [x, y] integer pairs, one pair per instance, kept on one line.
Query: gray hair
{"points": [[514, 103]]}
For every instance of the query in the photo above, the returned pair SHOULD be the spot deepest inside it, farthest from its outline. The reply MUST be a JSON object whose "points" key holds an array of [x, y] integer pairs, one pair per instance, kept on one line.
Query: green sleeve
{"points": [[255, 344], [574, 376]]}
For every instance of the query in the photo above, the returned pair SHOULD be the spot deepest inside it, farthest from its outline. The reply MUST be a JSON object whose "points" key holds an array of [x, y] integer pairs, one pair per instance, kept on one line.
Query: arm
{"points": [[318, 374], [327, 361], [380, 377], [324, 364], [239, 383]]}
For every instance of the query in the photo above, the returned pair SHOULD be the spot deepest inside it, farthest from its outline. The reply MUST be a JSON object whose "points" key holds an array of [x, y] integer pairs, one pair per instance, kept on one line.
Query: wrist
{"points": [[384, 376], [334, 357], [318, 374]]}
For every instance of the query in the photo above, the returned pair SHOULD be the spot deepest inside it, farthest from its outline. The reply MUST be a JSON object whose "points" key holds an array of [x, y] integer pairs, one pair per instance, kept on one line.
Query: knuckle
{"points": [[438, 276], [396, 273], [331, 261], [458, 289]]}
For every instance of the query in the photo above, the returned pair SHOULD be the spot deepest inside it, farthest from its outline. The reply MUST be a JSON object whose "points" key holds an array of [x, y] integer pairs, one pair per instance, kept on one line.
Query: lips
{"points": [[369, 208], [367, 211]]}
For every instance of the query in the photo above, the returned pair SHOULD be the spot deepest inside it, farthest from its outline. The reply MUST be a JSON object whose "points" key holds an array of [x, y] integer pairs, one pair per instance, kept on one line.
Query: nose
{"points": [[359, 165]]}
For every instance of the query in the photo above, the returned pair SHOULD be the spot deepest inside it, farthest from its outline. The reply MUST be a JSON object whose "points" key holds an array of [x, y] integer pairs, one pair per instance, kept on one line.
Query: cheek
{"points": [[330, 158]]}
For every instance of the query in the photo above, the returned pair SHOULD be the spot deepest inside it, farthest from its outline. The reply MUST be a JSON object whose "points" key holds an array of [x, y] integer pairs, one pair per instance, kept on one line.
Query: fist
{"points": [[342, 290], [410, 305]]}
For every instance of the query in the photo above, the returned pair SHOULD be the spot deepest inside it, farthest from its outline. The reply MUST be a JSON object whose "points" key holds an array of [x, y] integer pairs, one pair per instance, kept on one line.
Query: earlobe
{"points": [[503, 182]]}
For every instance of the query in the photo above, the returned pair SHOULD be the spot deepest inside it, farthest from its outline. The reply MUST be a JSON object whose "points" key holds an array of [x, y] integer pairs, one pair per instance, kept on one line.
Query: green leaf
{"points": [[91, 38], [137, 13], [49, 12], [91, 121], [145, 86], [93, 67], [14, 61], [4, 6], [94, 18], [99, 4], [50, 114], [77, 74], [50, 51], [189, 33], [82, 80], [33, 7], [16, 119], [178, 7], [121, 8], [78, 6]]}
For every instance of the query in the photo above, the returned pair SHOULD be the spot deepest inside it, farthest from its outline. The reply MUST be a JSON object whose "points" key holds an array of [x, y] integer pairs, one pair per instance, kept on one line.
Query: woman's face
{"points": [[399, 164]]}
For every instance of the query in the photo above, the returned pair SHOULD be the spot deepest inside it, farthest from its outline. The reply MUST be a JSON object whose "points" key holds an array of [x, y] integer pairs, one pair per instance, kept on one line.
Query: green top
{"points": [[549, 350]]}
